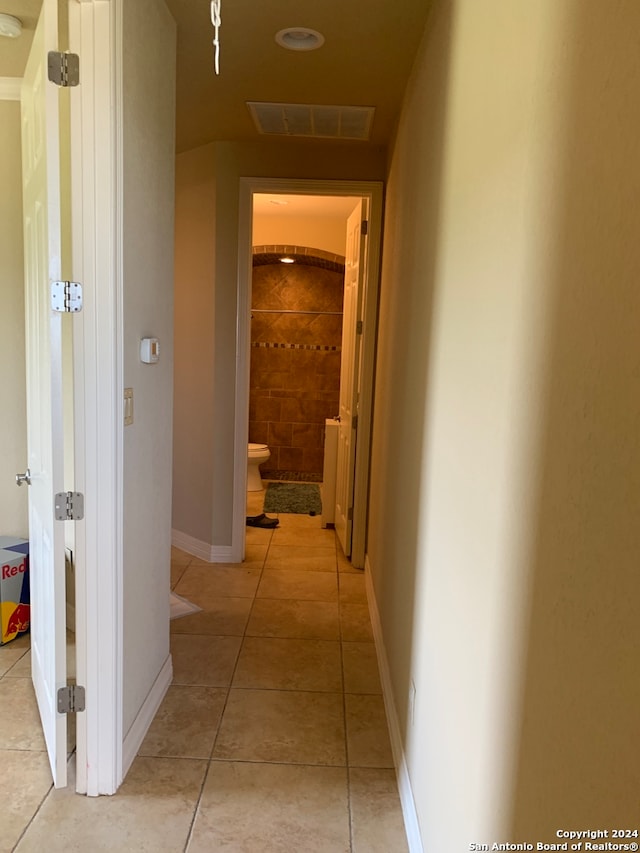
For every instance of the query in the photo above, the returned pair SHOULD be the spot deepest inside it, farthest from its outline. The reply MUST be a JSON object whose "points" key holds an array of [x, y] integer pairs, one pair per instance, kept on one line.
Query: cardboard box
{"points": [[14, 587]]}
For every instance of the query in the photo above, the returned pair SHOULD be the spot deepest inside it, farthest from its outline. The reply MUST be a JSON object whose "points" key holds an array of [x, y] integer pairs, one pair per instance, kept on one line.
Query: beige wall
{"points": [[13, 432], [148, 219], [208, 193], [193, 323], [503, 533]]}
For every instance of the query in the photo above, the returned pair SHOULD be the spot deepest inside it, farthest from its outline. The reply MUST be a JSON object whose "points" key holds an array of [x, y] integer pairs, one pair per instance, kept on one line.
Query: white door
{"points": [[41, 200], [350, 375]]}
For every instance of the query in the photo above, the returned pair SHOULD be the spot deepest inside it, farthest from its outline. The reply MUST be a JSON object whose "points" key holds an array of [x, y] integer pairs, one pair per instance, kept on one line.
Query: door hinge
{"points": [[63, 68], [359, 327], [71, 699], [354, 422], [66, 296], [350, 514], [69, 506], [364, 227]]}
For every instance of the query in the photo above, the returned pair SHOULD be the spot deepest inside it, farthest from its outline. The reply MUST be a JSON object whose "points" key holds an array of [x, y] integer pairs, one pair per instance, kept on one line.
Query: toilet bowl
{"points": [[258, 453]]}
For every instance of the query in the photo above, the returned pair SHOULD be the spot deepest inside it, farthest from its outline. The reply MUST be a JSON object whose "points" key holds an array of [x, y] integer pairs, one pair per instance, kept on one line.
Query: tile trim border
{"points": [[407, 801], [315, 347], [136, 734]]}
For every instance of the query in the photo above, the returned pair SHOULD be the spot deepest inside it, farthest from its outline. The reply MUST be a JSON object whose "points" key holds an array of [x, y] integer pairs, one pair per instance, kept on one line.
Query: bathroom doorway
{"points": [[299, 245], [314, 212]]}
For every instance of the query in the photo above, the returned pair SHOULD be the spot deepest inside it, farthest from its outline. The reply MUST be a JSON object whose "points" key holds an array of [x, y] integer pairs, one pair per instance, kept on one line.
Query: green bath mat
{"points": [[301, 498]]}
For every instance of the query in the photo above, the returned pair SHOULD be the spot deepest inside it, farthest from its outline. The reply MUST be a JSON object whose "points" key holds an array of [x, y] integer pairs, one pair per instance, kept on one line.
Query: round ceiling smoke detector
{"points": [[299, 38], [9, 26]]}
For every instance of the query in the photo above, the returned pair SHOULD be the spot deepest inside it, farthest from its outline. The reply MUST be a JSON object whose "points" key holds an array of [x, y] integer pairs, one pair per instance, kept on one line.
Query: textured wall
{"points": [[296, 333]]}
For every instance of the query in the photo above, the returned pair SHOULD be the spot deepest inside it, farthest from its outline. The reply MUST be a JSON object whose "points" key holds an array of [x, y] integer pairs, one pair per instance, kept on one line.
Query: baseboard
{"points": [[222, 554], [202, 550], [407, 801], [145, 715]]}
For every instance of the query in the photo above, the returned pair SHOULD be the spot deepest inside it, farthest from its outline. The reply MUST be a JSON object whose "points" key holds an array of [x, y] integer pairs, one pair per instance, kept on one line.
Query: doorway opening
{"points": [[259, 231]]}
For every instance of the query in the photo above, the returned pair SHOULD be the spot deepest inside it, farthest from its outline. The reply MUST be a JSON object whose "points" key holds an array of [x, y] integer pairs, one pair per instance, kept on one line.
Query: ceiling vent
{"points": [[312, 121]]}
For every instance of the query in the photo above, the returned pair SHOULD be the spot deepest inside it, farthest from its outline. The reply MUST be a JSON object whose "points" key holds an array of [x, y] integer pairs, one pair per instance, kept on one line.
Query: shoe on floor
{"points": [[262, 520]]}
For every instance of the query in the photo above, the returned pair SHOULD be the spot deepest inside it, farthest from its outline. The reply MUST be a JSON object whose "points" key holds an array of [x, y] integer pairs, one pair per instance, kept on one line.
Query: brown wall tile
{"points": [[293, 390], [280, 434]]}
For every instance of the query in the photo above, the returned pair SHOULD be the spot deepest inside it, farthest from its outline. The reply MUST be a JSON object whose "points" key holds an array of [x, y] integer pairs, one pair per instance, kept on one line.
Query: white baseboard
{"points": [[144, 718], [202, 550], [411, 825]]}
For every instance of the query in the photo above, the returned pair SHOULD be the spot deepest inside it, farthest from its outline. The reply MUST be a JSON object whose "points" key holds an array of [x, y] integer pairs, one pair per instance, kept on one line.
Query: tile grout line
{"points": [[222, 712], [344, 702]]}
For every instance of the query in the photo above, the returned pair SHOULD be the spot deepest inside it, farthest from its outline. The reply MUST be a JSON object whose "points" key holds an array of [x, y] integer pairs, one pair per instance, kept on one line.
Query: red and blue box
{"points": [[14, 588]]}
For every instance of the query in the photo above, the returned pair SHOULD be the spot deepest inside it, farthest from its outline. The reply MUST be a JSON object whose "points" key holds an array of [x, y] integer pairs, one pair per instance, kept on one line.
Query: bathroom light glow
{"points": [[287, 260]]}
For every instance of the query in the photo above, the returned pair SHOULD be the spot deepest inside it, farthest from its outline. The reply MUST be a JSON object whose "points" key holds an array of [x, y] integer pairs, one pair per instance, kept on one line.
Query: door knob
{"points": [[24, 478]]}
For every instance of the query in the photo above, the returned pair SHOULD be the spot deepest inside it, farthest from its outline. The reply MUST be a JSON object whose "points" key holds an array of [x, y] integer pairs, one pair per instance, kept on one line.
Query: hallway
{"points": [[272, 737]]}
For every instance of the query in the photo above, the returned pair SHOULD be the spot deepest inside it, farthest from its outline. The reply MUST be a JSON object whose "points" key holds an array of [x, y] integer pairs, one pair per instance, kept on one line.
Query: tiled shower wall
{"points": [[296, 334]]}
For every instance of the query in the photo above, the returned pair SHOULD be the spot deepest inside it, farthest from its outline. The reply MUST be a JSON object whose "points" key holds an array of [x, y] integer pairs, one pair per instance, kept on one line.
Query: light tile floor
{"points": [[272, 736]]}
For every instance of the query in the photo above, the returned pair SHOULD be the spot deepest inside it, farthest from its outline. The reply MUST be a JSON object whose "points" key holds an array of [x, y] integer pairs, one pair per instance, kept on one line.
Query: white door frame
{"points": [[97, 263], [373, 191]]}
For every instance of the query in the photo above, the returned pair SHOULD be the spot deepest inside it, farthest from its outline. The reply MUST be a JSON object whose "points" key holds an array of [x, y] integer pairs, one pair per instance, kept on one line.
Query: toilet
{"points": [[258, 453]]}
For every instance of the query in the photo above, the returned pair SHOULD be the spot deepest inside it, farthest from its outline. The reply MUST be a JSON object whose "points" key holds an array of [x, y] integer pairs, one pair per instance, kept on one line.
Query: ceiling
{"points": [[365, 61], [283, 206]]}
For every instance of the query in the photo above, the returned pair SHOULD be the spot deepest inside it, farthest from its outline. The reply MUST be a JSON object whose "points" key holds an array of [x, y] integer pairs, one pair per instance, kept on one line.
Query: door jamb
{"points": [[96, 175], [373, 191]]}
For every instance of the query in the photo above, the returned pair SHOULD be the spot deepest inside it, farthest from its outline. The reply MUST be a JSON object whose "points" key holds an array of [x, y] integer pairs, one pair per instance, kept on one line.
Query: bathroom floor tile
{"points": [[355, 623], [311, 558], [295, 808], [186, 723], [219, 580], [276, 664], [376, 815], [368, 742], [20, 729], [282, 726], [298, 585], [313, 620], [204, 660], [360, 665], [24, 782], [219, 615], [151, 813]]}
